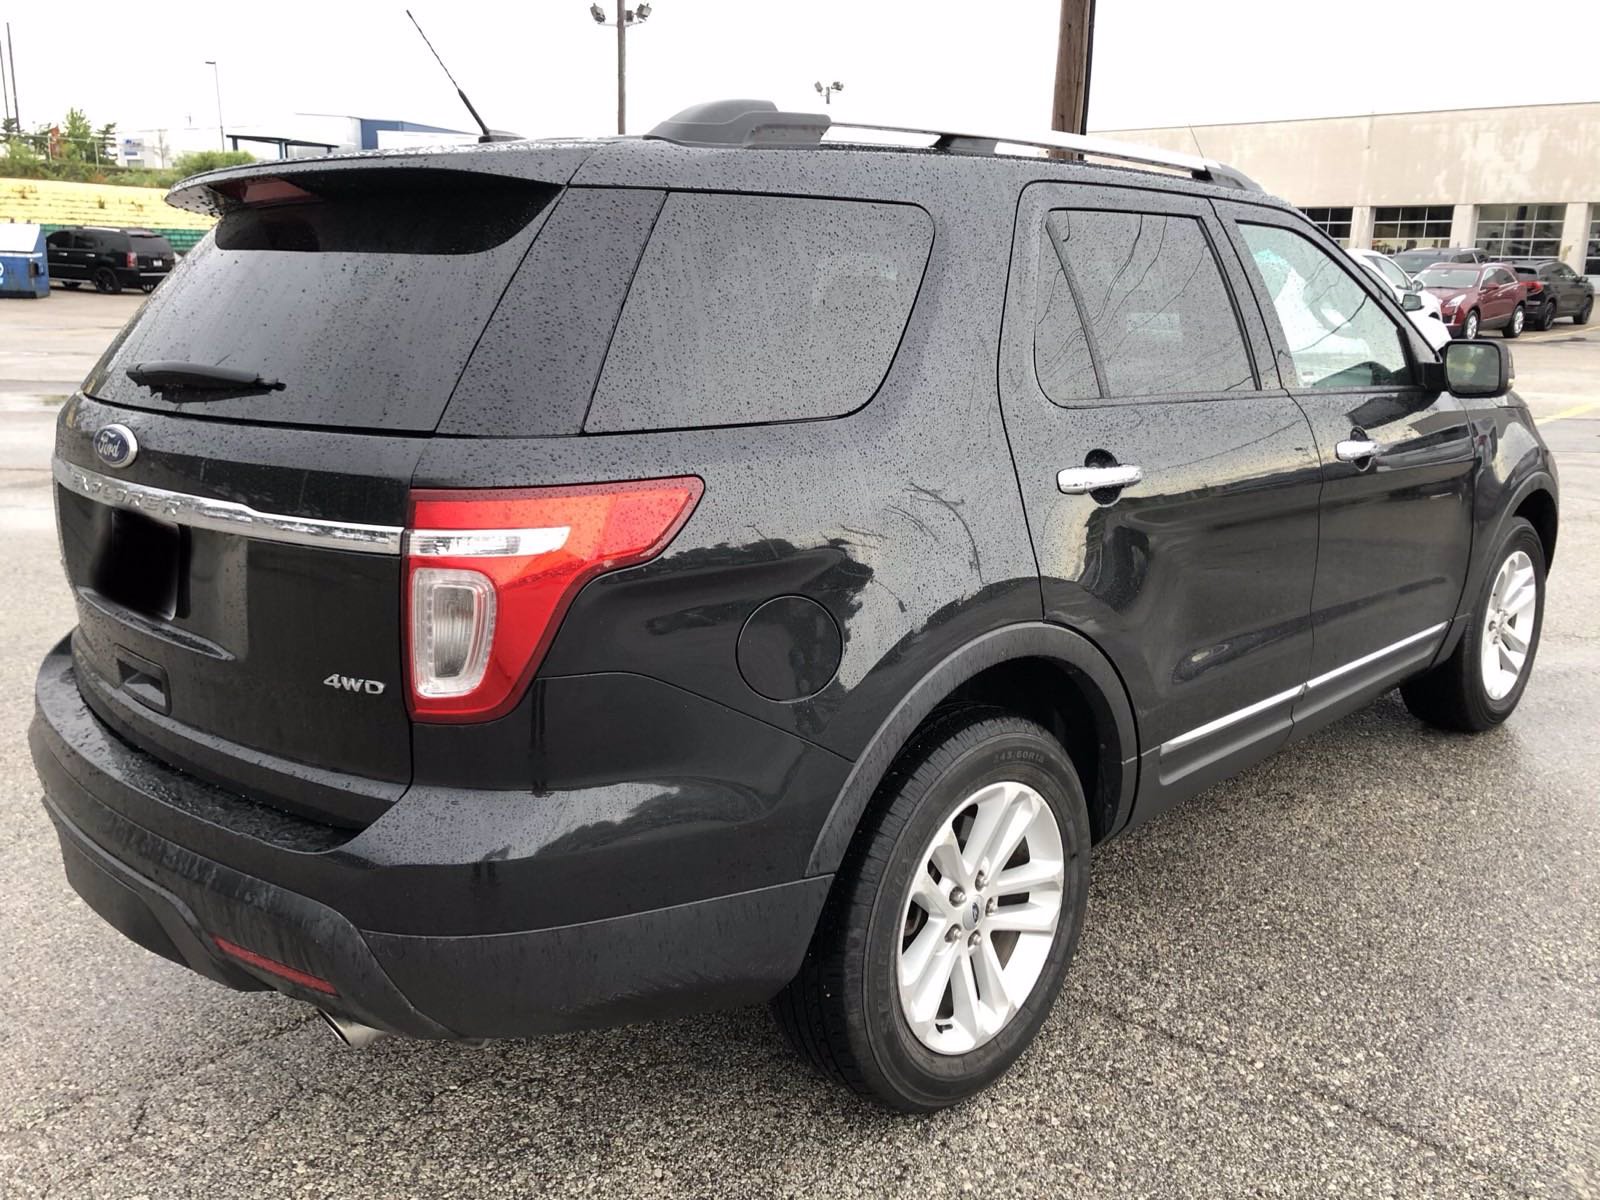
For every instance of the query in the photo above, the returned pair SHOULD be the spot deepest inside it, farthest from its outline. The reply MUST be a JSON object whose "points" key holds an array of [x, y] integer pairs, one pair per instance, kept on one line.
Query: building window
{"points": [[1411, 227], [1591, 259], [1521, 230], [1335, 222]]}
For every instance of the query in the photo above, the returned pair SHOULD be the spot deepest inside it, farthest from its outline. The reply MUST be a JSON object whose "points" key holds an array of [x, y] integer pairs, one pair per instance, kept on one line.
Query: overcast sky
{"points": [[543, 67]]}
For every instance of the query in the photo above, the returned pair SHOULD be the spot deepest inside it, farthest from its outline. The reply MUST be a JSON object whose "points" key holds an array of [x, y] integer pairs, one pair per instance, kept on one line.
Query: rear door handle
{"points": [[1079, 481], [1356, 449]]}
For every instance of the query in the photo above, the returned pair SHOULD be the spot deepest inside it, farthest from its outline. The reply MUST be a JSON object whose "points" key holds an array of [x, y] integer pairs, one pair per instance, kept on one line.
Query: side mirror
{"points": [[1411, 302], [1478, 370], [1415, 285]]}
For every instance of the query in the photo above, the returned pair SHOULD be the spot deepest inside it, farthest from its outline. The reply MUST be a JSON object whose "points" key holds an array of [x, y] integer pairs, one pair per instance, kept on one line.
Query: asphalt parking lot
{"points": [[1371, 966]]}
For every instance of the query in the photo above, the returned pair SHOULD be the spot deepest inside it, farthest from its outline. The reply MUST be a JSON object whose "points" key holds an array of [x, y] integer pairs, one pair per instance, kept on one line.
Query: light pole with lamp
{"points": [[625, 17], [826, 91], [216, 83]]}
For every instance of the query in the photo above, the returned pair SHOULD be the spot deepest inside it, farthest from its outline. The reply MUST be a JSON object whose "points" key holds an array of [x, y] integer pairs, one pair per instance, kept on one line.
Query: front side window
{"points": [[748, 309], [1391, 273], [1335, 331], [1520, 230], [1153, 300]]}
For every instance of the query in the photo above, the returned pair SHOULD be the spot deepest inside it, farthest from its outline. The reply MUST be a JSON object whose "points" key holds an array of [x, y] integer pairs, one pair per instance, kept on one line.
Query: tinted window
{"points": [[1155, 304], [1060, 346], [1334, 330], [365, 299], [761, 308], [156, 247], [534, 371]]}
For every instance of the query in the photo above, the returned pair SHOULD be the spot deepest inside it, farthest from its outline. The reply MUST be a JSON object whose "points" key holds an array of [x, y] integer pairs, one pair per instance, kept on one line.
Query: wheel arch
{"points": [[1042, 671]]}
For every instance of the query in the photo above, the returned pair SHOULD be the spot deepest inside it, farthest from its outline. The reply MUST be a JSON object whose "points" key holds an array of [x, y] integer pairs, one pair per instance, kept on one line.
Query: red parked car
{"points": [[1477, 296]]}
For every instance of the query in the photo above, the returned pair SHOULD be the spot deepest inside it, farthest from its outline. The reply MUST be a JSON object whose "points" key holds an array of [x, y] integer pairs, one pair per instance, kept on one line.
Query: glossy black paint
{"points": [[708, 728]]}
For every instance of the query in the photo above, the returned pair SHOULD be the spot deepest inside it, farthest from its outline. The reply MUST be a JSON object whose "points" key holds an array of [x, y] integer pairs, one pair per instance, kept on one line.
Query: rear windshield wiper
{"points": [[159, 376]]}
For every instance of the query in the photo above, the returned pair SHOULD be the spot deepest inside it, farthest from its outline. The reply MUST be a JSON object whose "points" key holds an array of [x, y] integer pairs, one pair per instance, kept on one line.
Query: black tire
{"points": [[1469, 325], [147, 288], [843, 1010], [1453, 695], [106, 282], [1547, 315], [1513, 327], [1581, 317], [74, 284]]}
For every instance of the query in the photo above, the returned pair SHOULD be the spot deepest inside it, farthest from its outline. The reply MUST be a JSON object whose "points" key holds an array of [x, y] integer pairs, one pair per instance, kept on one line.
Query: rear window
{"points": [[363, 291], [750, 309], [156, 246]]}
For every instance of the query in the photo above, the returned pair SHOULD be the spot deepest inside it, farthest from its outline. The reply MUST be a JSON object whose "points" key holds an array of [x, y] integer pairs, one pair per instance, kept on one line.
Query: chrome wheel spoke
{"points": [[1508, 627], [1036, 916], [964, 1003], [1513, 640], [929, 896], [945, 854], [992, 989], [1034, 874], [923, 991]]}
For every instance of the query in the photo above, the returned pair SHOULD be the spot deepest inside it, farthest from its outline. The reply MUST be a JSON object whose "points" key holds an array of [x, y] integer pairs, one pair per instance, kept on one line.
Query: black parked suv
{"points": [[559, 584], [1554, 290], [111, 259]]}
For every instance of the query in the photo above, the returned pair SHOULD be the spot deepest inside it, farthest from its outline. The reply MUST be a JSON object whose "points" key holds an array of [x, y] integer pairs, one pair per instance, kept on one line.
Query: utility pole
{"points": [[5, 88], [625, 16], [11, 54], [216, 82], [1074, 56]]}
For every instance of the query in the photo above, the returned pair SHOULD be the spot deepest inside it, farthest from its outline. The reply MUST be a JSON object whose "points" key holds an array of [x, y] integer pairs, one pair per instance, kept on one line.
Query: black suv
{"points": [[1554, 290], [111, 259], [560, 584]]}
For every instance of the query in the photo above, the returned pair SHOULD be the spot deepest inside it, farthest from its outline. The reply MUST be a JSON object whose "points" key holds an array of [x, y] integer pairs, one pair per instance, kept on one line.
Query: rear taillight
{"points": [[1534, 286], [133, 259], [489, 575]]}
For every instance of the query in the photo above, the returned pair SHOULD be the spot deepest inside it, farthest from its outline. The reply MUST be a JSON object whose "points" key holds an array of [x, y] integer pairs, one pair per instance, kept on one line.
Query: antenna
{"points": [[487, 136]]}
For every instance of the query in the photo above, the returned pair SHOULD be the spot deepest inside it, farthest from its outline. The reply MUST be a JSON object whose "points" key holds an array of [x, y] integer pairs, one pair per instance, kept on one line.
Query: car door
{"points": [[1501, 295], [1570, 292], [1171, 493], [1395, 527]]}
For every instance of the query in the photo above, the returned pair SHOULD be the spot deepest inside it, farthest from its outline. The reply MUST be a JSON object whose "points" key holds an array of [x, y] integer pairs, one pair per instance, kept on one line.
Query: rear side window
{"points": [[1149, 290], [751, 309]]}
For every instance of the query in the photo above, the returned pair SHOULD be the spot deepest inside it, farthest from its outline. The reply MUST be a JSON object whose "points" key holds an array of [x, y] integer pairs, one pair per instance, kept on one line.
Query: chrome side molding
{"points": [[1201, 732], [226, 516]]}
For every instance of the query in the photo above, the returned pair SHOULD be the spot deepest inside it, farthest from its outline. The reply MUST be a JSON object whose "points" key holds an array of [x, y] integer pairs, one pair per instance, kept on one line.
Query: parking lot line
{"points": [[1577, 410]]}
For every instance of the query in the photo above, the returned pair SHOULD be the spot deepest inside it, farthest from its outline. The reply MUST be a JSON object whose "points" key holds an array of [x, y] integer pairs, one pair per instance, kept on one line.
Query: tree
{"points": [[209, 160], [77, 137]]}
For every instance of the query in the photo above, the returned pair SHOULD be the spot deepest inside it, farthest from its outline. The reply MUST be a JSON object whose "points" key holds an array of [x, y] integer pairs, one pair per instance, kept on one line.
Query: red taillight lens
{"points": [[489, 575], [1533, 286], [273, 967], [133, 259]]}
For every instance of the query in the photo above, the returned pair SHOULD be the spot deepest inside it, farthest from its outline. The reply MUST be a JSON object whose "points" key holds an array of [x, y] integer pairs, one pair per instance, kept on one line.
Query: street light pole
{"points": [[625, 16], [622, 67], [216, 82], [826, 91]]}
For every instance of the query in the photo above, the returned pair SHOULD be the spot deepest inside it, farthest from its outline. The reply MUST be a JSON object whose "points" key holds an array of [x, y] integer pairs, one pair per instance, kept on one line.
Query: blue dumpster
{"points": [[24, 269]]}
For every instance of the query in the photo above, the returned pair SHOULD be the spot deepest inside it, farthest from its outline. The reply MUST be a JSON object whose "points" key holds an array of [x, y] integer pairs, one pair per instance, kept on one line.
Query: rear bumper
{"points": [[122, 818]]}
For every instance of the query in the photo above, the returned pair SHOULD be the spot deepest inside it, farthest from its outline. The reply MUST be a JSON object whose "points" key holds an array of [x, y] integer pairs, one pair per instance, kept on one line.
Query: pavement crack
{"points": [[1319, 1092]]}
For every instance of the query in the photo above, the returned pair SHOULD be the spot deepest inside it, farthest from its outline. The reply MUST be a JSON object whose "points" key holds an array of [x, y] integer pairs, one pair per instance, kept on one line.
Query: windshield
{"points": [[1449, 277]]}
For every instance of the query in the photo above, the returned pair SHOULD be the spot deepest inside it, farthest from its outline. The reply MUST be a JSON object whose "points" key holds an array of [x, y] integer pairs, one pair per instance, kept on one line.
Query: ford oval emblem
{"points": [[115, 445]]}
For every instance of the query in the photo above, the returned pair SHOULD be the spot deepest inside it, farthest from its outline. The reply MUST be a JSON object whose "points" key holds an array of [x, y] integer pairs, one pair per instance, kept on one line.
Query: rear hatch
{"points": [[152, 252], [232, 485]]}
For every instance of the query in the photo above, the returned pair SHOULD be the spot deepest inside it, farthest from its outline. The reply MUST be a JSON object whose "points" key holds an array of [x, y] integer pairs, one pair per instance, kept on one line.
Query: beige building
{"points": [[1522, 181]]}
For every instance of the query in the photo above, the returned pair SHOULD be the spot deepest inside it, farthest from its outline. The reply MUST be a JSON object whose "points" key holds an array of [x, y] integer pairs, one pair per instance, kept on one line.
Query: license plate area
{"points": [[138, 562]]}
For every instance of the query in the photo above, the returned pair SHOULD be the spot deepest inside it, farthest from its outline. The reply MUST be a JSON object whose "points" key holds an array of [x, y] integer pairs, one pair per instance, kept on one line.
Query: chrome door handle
{"points": [[1355, 449], [1079, 481]]}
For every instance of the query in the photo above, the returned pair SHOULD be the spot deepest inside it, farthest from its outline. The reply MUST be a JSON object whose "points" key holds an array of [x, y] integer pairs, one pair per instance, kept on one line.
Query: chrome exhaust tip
{"points": [[352, 1033]]}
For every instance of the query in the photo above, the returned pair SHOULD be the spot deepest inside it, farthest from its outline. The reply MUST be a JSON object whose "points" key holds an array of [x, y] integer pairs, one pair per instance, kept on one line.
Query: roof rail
{"points": [[759, 123]]}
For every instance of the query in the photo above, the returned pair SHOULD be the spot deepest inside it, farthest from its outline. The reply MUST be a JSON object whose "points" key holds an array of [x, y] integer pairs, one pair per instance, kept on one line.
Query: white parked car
{"points": [[1421, 306]]}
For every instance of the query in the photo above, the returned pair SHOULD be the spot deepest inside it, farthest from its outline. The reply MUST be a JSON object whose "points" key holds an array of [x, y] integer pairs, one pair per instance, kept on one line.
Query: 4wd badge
{"points": [[347, 683]]}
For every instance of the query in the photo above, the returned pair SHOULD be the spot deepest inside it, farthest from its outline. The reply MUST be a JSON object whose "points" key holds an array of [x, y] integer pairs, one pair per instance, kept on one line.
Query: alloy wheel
{"points": [[980, 917], [1508, 625], [1470, 329]]}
